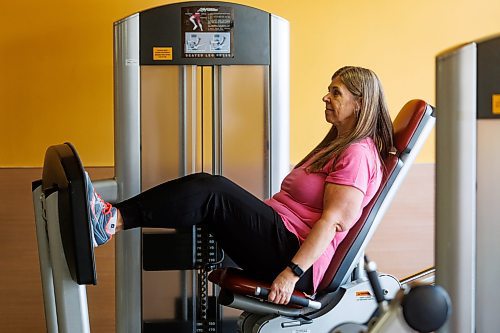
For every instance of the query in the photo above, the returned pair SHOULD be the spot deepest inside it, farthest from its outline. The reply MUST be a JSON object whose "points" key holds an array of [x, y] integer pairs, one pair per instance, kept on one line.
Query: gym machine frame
{"points": [[156, 63]]}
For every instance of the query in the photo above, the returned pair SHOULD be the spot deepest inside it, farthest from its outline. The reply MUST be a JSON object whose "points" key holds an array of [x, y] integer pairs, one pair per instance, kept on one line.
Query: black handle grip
{"points": [[296, 300], [371, 272], [375, 283]]}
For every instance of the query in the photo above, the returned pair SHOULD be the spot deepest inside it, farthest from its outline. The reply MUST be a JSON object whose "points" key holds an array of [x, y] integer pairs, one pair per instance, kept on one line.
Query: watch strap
{"points": [[296, 269]]}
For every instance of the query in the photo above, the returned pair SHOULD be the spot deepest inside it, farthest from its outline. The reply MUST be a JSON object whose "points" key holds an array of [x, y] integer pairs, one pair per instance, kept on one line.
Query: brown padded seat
{"points": [[405, 126]]}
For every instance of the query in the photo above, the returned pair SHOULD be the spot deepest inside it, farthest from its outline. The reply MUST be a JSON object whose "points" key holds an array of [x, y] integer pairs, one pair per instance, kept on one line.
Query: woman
{"points": [[290, 238]]}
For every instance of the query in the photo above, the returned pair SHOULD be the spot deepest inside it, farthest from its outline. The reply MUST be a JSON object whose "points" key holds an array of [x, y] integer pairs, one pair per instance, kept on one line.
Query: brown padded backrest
{"points": [[405, 125]]}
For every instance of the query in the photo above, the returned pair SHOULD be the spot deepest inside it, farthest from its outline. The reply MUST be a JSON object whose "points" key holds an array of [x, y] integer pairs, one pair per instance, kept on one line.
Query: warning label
{"points": [[495, 104], [363, 295], [162, 53]]}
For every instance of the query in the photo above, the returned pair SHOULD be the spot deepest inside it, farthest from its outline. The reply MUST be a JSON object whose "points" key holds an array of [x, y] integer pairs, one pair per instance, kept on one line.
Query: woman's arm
{"points": [[340, 207]]}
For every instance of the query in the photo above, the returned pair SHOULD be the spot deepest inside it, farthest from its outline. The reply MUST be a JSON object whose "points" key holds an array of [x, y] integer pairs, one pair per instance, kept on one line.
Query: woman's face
{"points": [[340, 106]]}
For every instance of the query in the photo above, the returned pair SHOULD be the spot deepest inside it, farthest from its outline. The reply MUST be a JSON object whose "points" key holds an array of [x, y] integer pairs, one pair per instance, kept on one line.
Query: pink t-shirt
{"points": [[300, 199]]}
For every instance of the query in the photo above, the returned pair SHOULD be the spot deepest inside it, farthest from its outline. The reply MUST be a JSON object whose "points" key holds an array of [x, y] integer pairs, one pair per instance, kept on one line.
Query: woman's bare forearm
{"points": [[315, 244]]}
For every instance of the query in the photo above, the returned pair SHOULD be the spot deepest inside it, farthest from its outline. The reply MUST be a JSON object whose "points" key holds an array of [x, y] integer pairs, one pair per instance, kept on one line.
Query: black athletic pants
{"points": [[248, 230]]}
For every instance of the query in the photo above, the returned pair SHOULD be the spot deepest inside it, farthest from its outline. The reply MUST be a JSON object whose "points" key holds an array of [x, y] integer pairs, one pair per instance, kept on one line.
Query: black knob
{"points": [[426, 308]]}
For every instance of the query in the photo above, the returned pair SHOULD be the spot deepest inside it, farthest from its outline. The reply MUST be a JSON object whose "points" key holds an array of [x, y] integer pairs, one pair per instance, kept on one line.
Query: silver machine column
{"points": [[199, 86], [468, 183]]}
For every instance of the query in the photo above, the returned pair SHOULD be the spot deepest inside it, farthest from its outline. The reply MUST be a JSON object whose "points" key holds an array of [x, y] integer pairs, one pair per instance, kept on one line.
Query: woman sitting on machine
{"points": [[290, 238]]}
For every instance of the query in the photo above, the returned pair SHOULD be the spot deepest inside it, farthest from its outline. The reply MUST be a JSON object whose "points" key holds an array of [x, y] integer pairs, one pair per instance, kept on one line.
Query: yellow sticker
{"points": [[162, 53], [363, 293], [495, 104]]}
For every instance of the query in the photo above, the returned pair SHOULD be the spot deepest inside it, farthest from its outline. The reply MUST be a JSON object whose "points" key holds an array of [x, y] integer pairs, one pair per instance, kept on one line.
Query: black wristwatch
{"points": [[296, 269]]}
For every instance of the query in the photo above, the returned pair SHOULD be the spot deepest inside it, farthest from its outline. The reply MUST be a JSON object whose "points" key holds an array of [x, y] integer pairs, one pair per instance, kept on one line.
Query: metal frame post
{"points": [[456, 183]]}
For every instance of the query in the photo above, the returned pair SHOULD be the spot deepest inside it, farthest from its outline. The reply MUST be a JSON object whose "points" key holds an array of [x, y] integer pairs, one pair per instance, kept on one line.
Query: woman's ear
{"points": [[359, 101]]}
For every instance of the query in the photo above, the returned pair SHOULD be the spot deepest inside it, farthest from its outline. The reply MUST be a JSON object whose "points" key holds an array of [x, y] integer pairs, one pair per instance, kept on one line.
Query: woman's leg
{"points": [[177, 203], [248, 230]]}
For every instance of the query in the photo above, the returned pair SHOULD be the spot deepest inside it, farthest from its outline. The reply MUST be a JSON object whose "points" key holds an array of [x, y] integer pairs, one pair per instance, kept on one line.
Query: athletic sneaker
{"points": [[102, 215]]}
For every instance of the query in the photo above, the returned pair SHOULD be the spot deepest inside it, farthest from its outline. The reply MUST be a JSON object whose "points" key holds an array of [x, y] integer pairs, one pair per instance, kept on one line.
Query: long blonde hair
{"points": [[373, 119]]}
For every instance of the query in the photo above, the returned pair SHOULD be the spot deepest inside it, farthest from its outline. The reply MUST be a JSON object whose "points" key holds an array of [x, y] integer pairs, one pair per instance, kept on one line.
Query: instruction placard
{"points": [[207, 32]]}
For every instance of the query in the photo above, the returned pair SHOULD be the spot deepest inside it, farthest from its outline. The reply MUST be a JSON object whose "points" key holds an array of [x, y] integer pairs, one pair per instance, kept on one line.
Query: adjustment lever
{"points": [[371, 272]]}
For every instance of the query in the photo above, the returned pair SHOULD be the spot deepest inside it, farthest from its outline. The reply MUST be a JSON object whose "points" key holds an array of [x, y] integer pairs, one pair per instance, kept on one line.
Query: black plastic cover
{"points": [[162, 27], [169, 251], [488, 74], [63, 172]]}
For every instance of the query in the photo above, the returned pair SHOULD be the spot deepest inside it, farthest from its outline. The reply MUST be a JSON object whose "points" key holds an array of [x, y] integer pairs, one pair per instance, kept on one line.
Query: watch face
{"points": [[296, 269]]}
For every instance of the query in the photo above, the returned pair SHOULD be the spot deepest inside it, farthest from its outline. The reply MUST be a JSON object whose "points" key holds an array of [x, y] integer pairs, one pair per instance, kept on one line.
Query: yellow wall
{"points": [[56, 79]]}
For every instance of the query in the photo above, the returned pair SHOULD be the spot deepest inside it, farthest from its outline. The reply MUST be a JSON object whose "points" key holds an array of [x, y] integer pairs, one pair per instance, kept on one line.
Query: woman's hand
{"points": [[282, 287]]}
